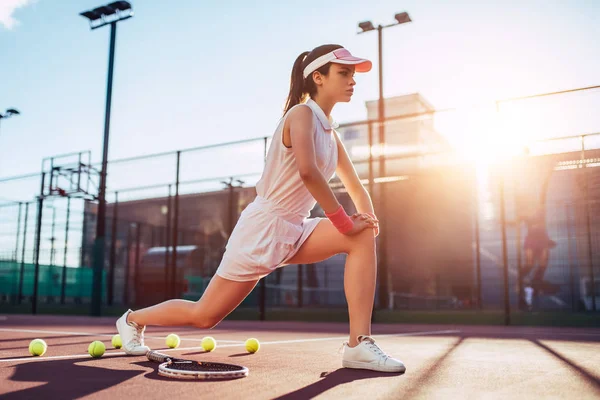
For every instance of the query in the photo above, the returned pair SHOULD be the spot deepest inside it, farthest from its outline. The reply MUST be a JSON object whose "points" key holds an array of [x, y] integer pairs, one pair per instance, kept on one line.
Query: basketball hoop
{"points": [[71, 175]]}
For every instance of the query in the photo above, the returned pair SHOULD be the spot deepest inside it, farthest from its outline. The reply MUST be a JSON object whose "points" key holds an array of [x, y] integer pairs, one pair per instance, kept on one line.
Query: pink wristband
{"points": [[341, 220]]}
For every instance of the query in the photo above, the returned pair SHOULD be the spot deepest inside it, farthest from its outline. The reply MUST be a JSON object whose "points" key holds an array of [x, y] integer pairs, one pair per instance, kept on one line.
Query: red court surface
{"points": [[300, 361]]}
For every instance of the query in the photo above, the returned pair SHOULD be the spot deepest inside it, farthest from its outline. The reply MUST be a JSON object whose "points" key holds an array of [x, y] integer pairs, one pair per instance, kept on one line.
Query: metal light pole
{"points": [[98, 17], [9, 113], [368, 26]]}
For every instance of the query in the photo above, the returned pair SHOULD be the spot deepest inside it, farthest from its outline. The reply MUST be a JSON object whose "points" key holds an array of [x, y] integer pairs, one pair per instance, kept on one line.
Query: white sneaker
{"points": [[367, 355], [132, 336]]}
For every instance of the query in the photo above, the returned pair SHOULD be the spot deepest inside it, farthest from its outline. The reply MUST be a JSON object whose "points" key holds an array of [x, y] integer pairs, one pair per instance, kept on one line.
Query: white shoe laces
{"points": [[137, 338], [370, 343]]}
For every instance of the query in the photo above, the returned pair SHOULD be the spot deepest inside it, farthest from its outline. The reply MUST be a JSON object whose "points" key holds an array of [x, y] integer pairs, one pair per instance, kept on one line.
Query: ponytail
{"points": [[301, 88], [297, 91]]}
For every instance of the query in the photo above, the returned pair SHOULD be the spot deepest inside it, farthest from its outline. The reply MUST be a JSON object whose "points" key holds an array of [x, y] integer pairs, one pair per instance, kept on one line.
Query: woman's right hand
{"points": [[360, 223]]}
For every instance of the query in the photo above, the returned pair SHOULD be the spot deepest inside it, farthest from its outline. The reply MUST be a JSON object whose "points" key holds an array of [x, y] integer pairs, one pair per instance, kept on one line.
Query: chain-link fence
{"points": [[461, 229]]}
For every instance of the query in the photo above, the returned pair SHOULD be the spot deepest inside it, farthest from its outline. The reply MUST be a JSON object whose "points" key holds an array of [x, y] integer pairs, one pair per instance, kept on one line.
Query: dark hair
{"points": [[300, 88]]}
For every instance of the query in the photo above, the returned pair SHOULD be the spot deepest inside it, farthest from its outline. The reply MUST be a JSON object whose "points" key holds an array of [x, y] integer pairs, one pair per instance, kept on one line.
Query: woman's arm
{"points": [[347, 174], [303, 147]]}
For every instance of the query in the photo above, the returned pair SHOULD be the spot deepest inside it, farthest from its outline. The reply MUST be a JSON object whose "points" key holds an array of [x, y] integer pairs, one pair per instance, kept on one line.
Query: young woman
{"points": [[274, 230]]}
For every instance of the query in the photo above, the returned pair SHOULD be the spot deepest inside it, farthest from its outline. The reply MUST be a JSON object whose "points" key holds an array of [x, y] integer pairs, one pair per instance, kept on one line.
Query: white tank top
{"points": [[280, 182]]}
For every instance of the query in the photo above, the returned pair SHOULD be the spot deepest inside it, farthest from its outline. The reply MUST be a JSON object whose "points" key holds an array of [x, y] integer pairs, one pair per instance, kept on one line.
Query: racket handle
{"points": [[157, 357]]}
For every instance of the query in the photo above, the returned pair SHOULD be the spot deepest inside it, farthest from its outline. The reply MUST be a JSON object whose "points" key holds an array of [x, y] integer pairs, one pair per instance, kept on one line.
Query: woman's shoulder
{"points": [[301, 110], [299, 113]]}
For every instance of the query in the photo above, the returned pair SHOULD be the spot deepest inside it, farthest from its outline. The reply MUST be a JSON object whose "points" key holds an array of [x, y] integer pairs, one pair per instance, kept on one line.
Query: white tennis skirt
{"points": [[264, 238]]}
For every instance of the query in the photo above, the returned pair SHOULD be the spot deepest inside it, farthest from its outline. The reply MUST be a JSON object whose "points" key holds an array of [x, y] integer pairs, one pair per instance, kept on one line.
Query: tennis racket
{"points": [[178, 368]]}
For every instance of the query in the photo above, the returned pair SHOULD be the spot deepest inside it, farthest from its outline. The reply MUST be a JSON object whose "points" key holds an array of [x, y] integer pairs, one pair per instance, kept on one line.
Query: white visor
{"points": [[339, 56]]}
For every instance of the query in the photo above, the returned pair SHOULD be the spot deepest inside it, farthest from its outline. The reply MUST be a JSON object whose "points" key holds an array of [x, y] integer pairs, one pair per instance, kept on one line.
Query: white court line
{"points": [[99, 334], [31, 358]]}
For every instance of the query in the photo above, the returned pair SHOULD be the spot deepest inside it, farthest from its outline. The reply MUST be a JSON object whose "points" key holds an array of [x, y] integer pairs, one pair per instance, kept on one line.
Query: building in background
{"points": [[407, 137]]}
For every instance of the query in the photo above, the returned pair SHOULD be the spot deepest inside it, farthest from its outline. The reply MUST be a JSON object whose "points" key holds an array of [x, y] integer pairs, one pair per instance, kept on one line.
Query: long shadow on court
{"points": [[65, 379], [332, 379], [582, 372], [426, 375]]}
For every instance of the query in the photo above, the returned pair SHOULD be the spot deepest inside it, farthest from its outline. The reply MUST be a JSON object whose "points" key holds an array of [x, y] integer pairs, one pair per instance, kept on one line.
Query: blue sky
{"points": [[197, 73]]}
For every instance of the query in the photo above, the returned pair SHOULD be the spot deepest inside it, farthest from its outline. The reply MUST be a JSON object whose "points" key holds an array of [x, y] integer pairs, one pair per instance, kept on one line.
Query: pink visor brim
{"points": [[361, 65]]}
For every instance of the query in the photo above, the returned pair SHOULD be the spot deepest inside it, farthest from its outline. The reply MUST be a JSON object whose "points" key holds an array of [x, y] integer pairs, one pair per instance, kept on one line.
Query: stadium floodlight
{"points": [[402, 18], [98, 17], [366, 26], [9, 113], [108, 14]]}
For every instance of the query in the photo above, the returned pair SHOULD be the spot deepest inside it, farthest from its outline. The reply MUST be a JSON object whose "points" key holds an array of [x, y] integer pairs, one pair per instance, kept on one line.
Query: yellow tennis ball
{"points": [[172, 341], [208, 343], [96, 349], [37, 347], [252, 345], [116, 342]]}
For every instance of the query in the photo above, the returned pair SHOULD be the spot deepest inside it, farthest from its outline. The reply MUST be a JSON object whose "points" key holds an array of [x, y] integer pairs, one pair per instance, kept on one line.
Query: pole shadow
{"points": [[582, 372], [332, 379], [83, 380], [425, 376]]}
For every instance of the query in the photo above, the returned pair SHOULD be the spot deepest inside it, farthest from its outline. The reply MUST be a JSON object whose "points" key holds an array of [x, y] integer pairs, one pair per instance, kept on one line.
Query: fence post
{"points": [[478, 251], [504, 254], [382, 270], [83, 235], [18, 231], [37, 246], [113, 250], [168, 246], [52, 237], [22, 273], [520, 277], [570, 253], [127, 266], [138, 233], [64, 269], [588, 205], [300, 285], [175, 231]]}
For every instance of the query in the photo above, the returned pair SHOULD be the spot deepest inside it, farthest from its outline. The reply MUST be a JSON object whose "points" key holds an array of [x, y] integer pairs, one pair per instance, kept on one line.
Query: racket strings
{"points": [[203, 366]]}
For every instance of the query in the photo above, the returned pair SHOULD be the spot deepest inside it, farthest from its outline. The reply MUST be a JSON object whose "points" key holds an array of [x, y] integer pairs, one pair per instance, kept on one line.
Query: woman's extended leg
{"points": [[221, 297]]}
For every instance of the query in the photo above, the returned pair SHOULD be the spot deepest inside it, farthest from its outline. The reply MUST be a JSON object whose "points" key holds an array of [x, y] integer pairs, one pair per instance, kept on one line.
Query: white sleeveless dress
{"points": [[275, 225]]}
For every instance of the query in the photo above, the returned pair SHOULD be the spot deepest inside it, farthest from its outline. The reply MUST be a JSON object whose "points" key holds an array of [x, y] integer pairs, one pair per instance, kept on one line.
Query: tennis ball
{"points": [[209, 343], [116, 342], [172, 341], [37, 347], [96, 349], [252, 345]]}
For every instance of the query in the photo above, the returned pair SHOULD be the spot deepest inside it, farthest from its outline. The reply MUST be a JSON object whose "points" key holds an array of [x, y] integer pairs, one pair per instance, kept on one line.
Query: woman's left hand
{"points": [[366, 217]]}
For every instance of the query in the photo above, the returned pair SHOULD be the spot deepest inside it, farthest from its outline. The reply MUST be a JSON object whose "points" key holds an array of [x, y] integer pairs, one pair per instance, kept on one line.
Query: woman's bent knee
{"points": [[364, 238], [203, 321]]}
